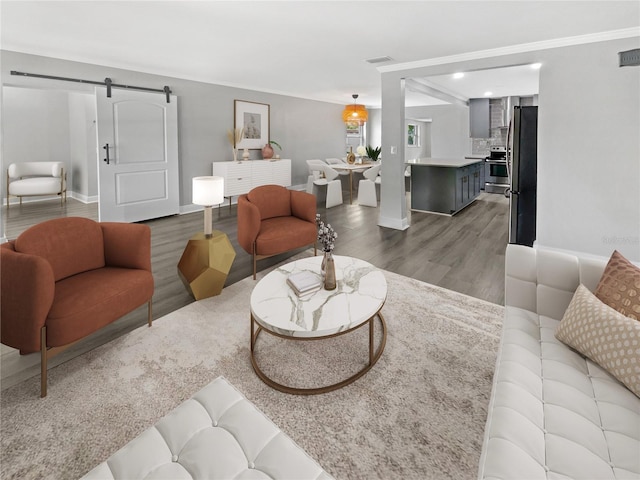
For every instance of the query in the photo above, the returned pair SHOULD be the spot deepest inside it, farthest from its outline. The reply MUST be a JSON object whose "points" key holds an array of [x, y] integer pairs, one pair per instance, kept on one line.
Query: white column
{"points": [[393, 205]]}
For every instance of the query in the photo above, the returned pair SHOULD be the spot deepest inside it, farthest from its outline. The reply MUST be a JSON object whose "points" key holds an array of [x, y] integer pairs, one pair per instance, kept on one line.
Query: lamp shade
{"points": [[208, 191], [355, 113]]}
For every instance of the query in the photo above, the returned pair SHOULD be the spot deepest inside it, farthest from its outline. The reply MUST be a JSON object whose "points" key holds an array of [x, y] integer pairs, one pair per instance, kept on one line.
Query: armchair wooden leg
{"points": [[43, 362], [150, 319]]}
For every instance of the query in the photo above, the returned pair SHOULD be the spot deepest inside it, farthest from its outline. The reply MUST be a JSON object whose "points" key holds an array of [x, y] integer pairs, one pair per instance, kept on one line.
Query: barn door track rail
{"points": [[107, 82]]}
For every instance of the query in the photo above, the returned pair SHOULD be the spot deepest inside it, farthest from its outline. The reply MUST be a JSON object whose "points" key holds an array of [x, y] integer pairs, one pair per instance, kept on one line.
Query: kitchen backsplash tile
{"points": [[480, 146]]}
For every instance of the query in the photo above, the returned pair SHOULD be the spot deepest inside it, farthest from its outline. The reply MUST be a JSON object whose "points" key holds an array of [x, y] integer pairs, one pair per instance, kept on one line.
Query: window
{"points": [[413, 135]]}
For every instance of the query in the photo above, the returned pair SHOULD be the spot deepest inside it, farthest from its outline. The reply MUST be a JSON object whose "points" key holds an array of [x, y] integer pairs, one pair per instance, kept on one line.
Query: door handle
{"points": [[106, 147]]}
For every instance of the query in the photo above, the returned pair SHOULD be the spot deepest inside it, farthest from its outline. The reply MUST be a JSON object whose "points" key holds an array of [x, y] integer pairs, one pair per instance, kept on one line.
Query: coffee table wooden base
{"points": [[373, 357]]}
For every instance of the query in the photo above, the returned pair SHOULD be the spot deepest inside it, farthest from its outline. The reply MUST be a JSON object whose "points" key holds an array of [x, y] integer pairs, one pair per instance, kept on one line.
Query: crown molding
{"points": [[522, 48]]}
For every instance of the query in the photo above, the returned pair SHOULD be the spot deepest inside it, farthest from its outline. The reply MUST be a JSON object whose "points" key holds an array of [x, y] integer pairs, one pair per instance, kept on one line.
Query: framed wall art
{"points": [[353, 129], [254, 118]]}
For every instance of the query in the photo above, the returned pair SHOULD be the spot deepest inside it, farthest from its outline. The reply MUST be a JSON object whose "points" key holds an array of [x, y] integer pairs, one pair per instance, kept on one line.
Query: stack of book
{"points": [[304, 283]]}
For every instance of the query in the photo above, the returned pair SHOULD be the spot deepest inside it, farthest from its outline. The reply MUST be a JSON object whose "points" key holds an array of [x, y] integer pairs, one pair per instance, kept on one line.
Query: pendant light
{"points": [[355, 113]]}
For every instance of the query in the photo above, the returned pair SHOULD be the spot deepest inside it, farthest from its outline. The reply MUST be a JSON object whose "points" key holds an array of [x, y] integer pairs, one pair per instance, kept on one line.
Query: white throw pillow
{"points": [[607, 337]]}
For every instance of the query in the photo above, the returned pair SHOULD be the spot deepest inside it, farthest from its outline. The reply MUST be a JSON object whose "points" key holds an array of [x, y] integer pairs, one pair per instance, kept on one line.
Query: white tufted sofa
{"points": [[36, 179], [554, 414], [216, 434]]}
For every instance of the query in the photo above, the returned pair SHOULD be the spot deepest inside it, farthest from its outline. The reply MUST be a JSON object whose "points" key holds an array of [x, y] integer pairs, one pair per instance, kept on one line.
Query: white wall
{"points": [[374, 127], [52, 125], [35, 126], [82, 146], [589, 151], [449, 129], [305, 128]]}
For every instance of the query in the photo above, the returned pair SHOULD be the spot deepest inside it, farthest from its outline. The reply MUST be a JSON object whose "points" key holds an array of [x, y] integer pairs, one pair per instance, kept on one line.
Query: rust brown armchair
{"points": [[64, 279], [274, 220]]}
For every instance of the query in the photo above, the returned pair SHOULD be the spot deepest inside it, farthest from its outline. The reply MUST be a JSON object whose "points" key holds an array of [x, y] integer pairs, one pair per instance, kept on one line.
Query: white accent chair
{"points": [[329, 179], [314, 173], [36, 179], [367, 187]]}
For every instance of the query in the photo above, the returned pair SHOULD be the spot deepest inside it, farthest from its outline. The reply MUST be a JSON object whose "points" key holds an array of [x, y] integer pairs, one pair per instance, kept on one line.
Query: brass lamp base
{"points": [[205, 264]]}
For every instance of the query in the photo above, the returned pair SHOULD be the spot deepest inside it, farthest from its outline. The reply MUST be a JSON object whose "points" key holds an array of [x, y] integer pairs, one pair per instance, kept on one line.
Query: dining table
{"points": [[352, 167]]}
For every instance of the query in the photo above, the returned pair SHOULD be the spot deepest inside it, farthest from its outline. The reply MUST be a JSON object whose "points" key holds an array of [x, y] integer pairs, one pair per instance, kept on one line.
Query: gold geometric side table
{"points": [[205, 264]]}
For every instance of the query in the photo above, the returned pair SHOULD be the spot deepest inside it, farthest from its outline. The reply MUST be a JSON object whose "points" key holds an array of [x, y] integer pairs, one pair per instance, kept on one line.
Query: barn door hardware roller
{"points": [[107, 83]]}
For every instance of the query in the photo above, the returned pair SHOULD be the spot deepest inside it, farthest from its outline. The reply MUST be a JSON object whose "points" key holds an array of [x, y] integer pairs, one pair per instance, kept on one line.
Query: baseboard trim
{"points": [[83, 198], [70, 194], [395, 223]]}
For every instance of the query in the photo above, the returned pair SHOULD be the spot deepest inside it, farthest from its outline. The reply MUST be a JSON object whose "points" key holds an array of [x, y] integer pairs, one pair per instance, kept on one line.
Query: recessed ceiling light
{"points": [[458, 75], [488, 94], [536, 66]]}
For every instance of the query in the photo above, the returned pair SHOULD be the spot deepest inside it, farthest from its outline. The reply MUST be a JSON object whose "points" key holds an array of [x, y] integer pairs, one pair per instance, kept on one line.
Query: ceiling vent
{"points": [[378, 60], [630, 58]]}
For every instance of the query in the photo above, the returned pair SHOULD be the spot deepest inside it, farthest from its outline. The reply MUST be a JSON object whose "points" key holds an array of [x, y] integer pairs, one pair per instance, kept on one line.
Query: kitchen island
{"points": [[444, 185]]}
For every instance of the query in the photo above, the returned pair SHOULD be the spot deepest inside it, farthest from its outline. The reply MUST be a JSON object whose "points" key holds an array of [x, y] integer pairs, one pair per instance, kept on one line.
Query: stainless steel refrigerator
{"points": [[522, 162]]}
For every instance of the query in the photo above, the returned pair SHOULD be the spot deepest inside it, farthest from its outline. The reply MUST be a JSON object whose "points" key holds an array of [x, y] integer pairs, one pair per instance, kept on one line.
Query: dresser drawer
{"points": [[282, 172], [241, 177], [261, 173], [237, 186]]}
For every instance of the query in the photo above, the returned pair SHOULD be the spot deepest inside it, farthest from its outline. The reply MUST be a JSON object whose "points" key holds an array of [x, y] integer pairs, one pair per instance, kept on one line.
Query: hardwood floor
{"points": [[464, 253]]}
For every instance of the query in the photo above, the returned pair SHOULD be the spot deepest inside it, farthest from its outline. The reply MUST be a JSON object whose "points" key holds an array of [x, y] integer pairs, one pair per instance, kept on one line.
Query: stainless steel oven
{"points": [[496, 175]]}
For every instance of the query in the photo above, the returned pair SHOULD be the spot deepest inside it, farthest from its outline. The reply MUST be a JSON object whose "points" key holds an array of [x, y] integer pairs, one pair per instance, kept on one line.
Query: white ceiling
{"points": [[308, 49], [520, 80]]}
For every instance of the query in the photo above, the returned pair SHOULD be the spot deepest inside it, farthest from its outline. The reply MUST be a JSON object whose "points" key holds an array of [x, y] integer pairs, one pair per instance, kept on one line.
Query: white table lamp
{"points": [[208, 191]]}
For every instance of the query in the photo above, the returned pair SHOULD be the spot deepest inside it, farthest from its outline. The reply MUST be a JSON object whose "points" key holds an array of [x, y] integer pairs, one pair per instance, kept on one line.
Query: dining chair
{"points": [[330, 179], [314, 173], [337, 161], [367, 187]]}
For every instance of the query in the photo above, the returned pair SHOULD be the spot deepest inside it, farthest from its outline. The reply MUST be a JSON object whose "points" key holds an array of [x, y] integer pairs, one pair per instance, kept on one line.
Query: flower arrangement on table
{"points": [[326, 235], [327, 238], [235, 137]]}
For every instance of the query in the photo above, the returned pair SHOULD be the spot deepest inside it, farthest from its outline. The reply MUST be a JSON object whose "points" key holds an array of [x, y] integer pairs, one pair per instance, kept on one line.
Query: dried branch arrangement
{"points": [[234, 136]]}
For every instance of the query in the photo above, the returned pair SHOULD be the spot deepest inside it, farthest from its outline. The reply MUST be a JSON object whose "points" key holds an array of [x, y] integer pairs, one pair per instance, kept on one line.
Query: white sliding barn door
{"points": [[140, 179]]}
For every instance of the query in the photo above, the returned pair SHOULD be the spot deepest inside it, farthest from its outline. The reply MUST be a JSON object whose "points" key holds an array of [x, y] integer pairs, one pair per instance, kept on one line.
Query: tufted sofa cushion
{"points": [[554, 414], [217, 434]]}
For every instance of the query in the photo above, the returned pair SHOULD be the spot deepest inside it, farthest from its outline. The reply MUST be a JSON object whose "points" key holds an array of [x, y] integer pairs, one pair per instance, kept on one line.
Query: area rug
{"points": [[418, 414]]}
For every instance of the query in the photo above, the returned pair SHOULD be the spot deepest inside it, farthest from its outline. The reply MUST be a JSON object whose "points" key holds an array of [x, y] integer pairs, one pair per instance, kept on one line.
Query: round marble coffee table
{"points": [[358, 298]]}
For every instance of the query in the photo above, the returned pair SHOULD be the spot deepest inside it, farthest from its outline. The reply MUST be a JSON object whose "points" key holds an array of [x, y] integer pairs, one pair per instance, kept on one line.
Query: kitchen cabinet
{"points": [[468, 183], [477, 180], [444, 185], [481, 172], [462, 187], [479, 118]]}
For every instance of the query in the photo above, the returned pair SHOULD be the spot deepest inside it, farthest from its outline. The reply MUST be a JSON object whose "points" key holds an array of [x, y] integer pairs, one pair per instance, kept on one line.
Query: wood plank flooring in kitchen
{"points": [[464, 253]]}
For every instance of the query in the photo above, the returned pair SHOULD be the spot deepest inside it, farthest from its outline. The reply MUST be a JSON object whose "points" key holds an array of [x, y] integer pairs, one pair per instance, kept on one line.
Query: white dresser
{"points": [[241, 177]]}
